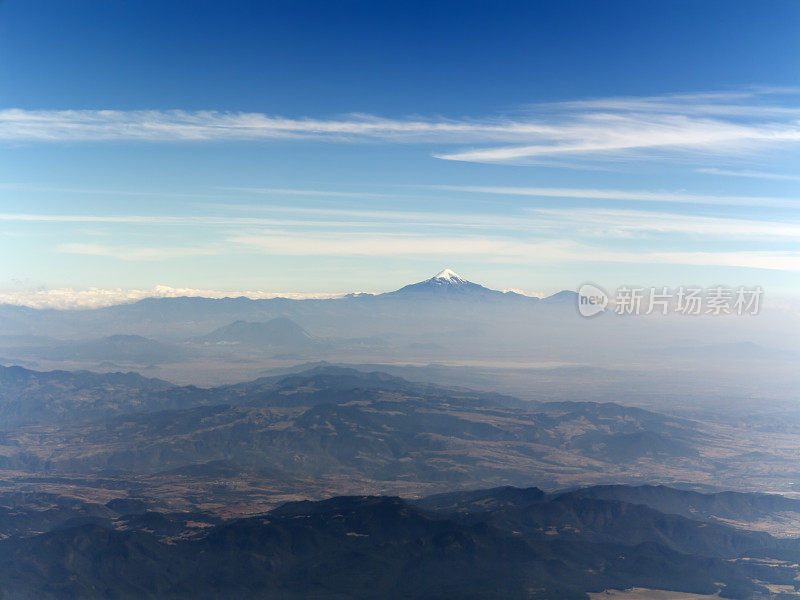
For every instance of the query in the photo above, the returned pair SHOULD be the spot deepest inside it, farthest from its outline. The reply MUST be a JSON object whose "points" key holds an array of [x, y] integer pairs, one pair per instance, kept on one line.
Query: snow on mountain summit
{"points": [[450, 276]]}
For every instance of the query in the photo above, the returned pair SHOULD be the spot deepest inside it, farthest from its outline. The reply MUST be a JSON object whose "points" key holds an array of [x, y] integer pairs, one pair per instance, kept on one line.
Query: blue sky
{"points": [[318, 147]]}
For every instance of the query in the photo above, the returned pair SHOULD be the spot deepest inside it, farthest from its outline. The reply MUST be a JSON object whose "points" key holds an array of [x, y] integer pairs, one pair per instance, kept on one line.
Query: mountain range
{"points": [[337, 483], [175, 314], [445, 320], [495, 543], [333, 430]]}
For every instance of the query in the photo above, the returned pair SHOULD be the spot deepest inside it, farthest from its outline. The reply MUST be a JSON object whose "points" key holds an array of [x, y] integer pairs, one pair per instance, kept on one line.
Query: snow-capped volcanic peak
{"points": [[447, 283], [449, 276]]}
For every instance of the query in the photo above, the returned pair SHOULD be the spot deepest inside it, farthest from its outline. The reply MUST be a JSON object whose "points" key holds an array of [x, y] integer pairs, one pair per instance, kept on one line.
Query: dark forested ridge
{"points": [[499, 543]]}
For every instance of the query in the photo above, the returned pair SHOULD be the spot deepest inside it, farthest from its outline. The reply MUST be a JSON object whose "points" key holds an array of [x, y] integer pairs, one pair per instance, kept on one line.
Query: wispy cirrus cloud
{"points": [[612, 223], [588, 243], [12, 187], [750, 174], [540, 221], [370, 244], [726, 123], [493, 249], [628, 195], [179, 125], [138, 252], [302, 192]]}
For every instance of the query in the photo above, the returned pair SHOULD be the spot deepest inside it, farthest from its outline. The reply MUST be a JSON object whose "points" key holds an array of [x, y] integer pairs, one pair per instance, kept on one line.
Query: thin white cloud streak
{"points": [[614, 133], [303, 218], [334, 244], [139, 219], [567, 222], [137, 252], [623, 223], [178, 125], [389, 245], [745, 102], [750, 174], [200, 221], [482, 248], [297, 192], [504, 250], [635, 196], [545, 220], [70, 298], [717, 123], [15, 187], [772, 261]]}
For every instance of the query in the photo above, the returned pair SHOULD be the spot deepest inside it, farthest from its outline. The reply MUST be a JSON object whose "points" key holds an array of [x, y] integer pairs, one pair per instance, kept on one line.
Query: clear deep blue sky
{"points": [[644, 142]]}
